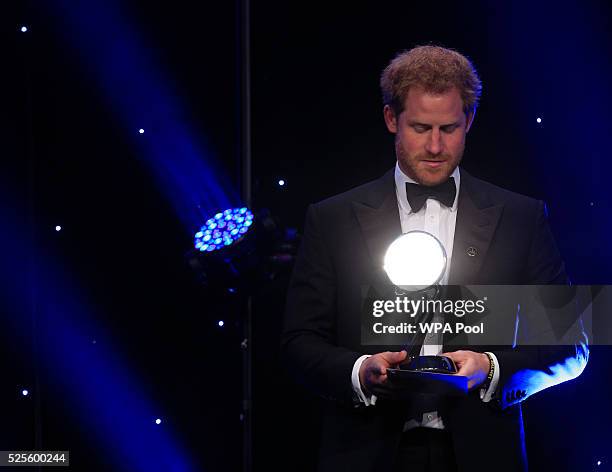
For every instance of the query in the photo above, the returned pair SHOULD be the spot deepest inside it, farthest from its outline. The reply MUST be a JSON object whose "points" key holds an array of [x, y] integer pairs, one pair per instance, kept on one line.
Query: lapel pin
{"points": [[471, 251]]}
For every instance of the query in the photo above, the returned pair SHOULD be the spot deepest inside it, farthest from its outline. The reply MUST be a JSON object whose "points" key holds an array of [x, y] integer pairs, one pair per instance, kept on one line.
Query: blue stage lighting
{"points": [[234, 251], [224, 229], [539, 120], [24, 392], [158, 421], [141, 131]]}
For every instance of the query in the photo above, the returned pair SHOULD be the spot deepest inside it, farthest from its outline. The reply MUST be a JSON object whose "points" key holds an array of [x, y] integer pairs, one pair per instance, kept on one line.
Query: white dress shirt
{"points": [[438, 220]]}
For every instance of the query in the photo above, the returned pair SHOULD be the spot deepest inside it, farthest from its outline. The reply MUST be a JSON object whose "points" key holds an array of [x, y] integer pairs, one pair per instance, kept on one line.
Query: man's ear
{"points": [[390, 119], [470, 119]]}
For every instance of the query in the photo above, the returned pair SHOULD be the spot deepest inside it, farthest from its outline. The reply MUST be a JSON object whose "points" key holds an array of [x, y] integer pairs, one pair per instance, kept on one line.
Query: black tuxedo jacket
{"points": [[344, 241]]}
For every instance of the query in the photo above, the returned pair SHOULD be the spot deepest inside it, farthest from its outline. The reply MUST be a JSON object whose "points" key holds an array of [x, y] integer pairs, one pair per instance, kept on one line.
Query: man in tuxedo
{"points": [[491, 236]]}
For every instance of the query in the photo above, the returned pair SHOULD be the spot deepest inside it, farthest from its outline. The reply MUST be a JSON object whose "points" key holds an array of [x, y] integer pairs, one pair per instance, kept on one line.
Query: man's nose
{"points": [[434, 144]]}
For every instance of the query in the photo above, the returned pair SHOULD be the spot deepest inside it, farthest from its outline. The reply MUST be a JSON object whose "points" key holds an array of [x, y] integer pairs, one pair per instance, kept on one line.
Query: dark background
{"points": [[73, 157]]}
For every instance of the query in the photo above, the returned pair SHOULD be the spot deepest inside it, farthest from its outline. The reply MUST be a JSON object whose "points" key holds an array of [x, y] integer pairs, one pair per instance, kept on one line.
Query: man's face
{"points": [[429, 134]]}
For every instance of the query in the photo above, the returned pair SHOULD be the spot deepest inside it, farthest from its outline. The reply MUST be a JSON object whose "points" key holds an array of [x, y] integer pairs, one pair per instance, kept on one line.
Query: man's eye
{"points": [[449, 129], [419, 129]]}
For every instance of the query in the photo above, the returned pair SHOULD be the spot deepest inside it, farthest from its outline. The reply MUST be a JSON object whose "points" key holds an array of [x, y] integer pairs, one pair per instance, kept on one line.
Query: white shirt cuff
{"points": [[487, 394], [363, 398]]}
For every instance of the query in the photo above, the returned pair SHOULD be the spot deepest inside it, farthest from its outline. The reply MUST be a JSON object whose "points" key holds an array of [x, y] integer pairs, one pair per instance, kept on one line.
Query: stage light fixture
{"points": [[25, 392], [141, 131], [24, 29], [224, 229], [539, 120], [226, 249], [58, 228], [236, 249], [221, 323], [281, 182], [158, 421]]}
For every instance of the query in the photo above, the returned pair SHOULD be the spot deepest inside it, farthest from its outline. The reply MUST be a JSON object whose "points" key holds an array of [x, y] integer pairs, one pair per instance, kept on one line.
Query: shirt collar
{"points": [[400, 187]]}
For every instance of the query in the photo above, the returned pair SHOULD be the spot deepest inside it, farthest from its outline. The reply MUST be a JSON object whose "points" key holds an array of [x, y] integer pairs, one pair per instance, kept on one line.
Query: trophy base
{"points": [[433, 364], [427, 382]]}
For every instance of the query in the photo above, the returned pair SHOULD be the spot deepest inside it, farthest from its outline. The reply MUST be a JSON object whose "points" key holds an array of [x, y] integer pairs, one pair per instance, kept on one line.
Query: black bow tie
{"points": [[418, 194]]}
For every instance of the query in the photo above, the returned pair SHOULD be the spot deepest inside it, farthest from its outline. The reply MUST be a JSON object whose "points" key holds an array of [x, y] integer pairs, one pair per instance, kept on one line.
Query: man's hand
{"points": [[373, 371], [473, 365]]}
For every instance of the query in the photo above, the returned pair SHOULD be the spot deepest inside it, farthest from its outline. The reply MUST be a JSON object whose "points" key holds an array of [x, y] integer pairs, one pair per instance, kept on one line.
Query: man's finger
{"points": [[377, 380], [382, 381], [467, 369], [377, 367], [458, 359], [394, 357], [452, 355]]}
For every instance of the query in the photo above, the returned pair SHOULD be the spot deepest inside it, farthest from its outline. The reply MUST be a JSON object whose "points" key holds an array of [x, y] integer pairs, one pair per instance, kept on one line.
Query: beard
{"points": [[414, 167]]}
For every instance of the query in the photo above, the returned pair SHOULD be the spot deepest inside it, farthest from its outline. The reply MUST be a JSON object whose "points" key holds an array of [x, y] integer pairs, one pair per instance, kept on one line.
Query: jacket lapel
{"points": [[477, 219], [379, 220]]}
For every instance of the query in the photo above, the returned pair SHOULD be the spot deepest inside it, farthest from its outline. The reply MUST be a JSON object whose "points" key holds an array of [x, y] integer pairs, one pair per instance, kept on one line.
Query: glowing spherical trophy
{"points": [[415, 261], [415, 264]]}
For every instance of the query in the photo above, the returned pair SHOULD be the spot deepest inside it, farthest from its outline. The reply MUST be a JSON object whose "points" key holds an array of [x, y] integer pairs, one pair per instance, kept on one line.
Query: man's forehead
{"points": [[421, 103]]}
